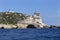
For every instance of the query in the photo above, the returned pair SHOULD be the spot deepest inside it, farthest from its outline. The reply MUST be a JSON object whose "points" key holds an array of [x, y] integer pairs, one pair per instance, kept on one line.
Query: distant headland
{"points": [[10, 19]]}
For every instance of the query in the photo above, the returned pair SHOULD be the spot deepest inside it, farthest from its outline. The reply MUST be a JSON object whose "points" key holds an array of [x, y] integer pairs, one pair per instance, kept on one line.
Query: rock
{"points": [[8, 26]]}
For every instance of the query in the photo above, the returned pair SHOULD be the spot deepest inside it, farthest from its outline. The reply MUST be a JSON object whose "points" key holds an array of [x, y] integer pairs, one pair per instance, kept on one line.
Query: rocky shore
{"points": [[53, 26], [10, 26], [7, 26]]}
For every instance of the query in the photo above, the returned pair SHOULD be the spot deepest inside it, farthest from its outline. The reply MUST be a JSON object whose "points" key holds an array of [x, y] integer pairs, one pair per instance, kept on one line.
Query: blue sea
{"points": [[30, 34]]}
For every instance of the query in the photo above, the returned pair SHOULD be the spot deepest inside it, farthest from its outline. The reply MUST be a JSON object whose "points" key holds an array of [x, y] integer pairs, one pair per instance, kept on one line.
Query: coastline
{"points": [[11, 26]]}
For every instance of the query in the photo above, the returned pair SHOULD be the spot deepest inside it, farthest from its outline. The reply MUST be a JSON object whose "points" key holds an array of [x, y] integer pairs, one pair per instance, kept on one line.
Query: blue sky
{"points": [[49, 9]]}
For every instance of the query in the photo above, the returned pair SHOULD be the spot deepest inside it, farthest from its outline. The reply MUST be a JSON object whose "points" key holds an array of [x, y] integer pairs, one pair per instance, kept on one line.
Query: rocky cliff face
{"points": [[20, 20], [34, 20]]}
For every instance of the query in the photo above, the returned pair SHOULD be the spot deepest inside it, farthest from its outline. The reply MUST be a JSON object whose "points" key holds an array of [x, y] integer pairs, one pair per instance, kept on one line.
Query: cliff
{"points": [[19, 20], [11, 17]]}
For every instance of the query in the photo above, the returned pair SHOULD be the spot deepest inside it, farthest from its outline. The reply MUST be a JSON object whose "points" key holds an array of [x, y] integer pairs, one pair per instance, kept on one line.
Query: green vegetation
{"points": [[11, 17]]}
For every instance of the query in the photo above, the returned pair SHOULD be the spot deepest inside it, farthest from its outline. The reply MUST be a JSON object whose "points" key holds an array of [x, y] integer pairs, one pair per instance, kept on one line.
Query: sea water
{"points": [[30, 34]]}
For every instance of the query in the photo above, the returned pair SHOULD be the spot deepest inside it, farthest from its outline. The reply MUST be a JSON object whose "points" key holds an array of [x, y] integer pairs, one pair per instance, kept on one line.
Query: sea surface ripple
{"points": [[30, 34]]}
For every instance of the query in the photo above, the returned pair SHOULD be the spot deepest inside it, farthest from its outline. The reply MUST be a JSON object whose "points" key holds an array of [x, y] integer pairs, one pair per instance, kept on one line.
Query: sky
{"points": [[49, 9]]}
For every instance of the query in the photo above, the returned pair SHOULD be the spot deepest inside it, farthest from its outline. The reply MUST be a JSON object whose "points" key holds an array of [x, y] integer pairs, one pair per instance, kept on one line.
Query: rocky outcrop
{"points": [[53, 26], [9, 26], [34, 20], [18, 20]]}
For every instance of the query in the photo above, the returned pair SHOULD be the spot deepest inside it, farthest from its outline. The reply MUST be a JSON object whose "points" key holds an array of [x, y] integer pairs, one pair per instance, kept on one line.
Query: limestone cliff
{"points": [[19, 20]]}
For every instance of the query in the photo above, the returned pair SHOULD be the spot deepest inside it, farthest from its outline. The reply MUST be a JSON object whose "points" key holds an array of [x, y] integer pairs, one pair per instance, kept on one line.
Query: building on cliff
{"points": [[34, 20]]}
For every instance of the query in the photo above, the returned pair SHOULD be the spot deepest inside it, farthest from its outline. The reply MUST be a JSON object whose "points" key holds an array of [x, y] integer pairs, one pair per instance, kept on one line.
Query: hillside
{"points": [[11, 17]]}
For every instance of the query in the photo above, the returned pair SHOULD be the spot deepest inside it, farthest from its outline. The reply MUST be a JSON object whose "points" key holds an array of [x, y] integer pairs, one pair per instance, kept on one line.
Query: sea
{"points": [[30, 34]]}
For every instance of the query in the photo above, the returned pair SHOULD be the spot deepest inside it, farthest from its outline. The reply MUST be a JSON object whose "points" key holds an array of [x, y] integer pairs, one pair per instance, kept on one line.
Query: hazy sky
{"points": [[49, 9]]}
